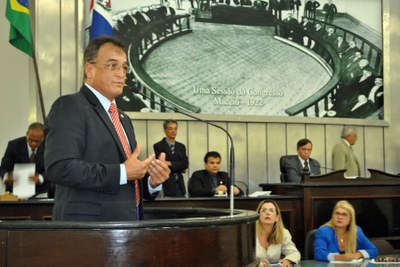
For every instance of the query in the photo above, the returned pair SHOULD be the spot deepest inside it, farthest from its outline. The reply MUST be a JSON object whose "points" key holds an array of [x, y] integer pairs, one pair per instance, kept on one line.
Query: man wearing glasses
{"points": [[25, 149], [91, 152]]}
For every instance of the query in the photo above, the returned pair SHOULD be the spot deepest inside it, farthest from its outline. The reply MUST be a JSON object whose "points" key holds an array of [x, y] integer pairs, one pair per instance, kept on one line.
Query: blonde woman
{"points": [[272, 239], [341, 239]]}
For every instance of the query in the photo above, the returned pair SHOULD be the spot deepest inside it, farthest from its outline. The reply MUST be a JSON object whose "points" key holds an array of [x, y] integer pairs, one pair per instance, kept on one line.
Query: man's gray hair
{"points": [[347, 130]]}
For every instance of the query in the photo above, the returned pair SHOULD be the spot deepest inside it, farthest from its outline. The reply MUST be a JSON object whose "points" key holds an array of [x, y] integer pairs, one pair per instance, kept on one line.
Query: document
{"points": [[260, 193], [23, 187], [355, 261]]}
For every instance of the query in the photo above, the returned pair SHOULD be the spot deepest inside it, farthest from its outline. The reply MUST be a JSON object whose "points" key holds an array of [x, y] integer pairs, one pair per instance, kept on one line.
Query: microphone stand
{"points": [[232, 150]]}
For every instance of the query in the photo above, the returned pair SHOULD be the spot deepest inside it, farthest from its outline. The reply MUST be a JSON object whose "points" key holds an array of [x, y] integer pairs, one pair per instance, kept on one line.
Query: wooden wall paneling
{"points": [[294, 132], [155, 133], [239, 136], [197, 145], [140, 127], [316, 133], [374, 145], [332, 137], [257, 155], [276, 147], [359, 149]]}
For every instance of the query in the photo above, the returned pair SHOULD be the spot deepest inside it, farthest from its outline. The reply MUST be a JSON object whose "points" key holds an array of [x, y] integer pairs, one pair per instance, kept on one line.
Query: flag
{"points": [[17, 13], [101, 18]]}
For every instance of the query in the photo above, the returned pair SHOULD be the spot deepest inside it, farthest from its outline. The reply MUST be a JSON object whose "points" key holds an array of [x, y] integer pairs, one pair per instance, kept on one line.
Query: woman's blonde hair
{"points": [[351, 228], [276, 236]]}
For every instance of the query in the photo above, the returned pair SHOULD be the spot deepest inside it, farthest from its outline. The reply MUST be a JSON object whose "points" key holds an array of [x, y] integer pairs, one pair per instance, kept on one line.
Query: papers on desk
{"points": [[260, 194], [23, 187], [350, 177], [355, 261]]}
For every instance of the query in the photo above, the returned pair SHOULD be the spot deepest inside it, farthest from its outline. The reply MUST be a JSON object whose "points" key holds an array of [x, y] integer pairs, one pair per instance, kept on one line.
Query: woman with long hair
{"points": [[341, 239], [272, 238]]}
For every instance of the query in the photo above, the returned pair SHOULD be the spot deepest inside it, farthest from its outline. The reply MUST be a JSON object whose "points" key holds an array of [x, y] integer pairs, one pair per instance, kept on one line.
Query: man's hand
{"points": [[236, 191], [35, 178], [222, 188], [136, 169], [9, 180], [159, 171]]}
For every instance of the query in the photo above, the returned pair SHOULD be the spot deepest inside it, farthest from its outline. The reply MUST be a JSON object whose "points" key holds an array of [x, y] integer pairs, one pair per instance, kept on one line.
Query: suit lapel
{"points": [[99, 110]]}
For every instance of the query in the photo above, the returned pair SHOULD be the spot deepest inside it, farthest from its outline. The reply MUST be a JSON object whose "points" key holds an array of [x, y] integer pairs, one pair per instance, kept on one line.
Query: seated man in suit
{"points": [[26, 149], [211, 181], [295, 167]]}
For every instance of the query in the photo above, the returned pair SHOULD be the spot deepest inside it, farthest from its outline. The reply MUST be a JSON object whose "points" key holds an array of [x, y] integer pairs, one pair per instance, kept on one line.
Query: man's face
{"points": [[351, 138], [305, 151], [35, 138], [213, 165], [108, 73], [171, 131]]}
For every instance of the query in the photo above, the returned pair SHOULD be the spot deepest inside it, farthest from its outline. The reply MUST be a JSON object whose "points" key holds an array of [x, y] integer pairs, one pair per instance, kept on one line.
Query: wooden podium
{"points": [[375, 199]]}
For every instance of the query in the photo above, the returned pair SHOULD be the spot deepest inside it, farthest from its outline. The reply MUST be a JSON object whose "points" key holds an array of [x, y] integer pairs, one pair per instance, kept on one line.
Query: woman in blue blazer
{"points": [[341, 239]]}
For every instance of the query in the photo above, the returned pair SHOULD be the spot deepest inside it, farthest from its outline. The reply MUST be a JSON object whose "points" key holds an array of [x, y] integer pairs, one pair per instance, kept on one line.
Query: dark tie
{"points": [[172, 149], [118, 127], [306, 169], [32, 156]]}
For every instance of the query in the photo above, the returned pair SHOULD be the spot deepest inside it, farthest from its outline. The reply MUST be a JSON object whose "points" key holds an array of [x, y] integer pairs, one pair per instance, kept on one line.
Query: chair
{"points": [[384, 247], [309, 245], [282, 165]]}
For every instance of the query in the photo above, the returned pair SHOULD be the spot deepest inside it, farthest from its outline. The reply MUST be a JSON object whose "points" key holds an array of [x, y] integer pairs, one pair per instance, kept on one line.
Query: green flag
{"points": [[17, 13]]}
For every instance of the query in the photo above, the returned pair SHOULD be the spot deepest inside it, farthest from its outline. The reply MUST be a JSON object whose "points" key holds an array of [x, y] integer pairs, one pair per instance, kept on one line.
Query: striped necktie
{"points": [[118, 127], [172, 148]]}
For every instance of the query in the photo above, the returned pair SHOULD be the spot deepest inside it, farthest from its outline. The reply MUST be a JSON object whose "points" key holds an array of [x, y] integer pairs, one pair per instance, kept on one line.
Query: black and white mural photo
{"points": [[308, 58]]}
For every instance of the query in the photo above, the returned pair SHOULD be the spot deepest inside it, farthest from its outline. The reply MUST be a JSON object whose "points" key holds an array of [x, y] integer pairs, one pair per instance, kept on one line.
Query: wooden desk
{"points": [[40, 210], [376, 200]]}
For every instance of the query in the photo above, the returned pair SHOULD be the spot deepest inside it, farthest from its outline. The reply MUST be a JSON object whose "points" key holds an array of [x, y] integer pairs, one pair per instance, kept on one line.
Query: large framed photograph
{"points": [[306, 58]]}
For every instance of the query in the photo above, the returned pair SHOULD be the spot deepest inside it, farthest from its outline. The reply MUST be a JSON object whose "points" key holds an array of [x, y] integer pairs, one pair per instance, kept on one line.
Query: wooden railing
{"points": [[148, 38], [323, 97]]}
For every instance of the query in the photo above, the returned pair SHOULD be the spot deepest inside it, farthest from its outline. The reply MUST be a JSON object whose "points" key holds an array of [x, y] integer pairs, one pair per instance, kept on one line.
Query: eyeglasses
{"points": [[343, 214], [267, 210], [112, 66]]}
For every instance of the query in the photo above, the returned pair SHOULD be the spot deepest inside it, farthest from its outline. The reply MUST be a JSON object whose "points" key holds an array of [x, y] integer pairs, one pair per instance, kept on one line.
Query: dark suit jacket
{"points": [[294, 168], [17, 152], [179, 163], [82, 157], [200, 184], [163, 11]]}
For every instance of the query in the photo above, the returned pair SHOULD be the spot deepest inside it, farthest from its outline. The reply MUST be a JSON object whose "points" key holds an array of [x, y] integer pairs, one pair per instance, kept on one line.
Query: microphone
{"points": [[137, 90]]}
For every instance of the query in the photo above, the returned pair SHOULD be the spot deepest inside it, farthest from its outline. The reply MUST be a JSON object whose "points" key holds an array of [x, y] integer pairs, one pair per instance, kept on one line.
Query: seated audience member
{"points": [[141, 17], [341, 239], [376, 93], [211, 181], [341, 45], [350, 51], [295, 167], [26, 149], [343, 157], [331, 36], [274, 243], [289, 30]]}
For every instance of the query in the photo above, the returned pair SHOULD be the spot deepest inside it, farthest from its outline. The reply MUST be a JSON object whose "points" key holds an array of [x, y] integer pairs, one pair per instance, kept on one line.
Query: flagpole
{"points": [[36, 69], [39, 86]]}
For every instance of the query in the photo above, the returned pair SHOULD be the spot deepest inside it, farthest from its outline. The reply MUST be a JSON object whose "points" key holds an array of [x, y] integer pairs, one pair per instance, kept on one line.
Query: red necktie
{"points": [[118, 127]]}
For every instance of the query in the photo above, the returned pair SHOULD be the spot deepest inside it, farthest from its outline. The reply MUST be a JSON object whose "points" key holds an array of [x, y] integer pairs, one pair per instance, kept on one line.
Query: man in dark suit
{"points": [[88, 152], [211, 181], [26, 149], [175, 158], [295, 167]]}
